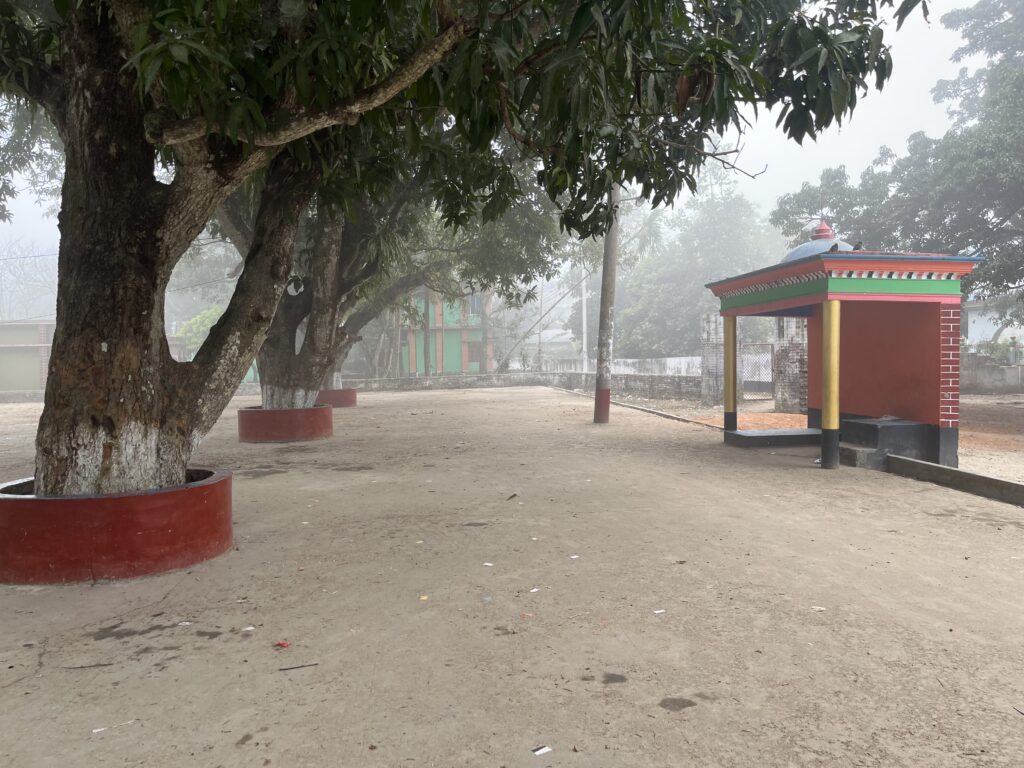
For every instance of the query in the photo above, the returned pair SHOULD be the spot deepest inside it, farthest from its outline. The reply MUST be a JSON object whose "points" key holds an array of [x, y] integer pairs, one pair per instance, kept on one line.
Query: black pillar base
{"points": [[730, 421], [829, 448], [948, 447]]}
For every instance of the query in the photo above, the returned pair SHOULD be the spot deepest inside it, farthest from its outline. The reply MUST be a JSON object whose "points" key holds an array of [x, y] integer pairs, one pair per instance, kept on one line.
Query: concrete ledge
{"points": [[759, 438], [958, 479], [338, 398], [652, 386]]}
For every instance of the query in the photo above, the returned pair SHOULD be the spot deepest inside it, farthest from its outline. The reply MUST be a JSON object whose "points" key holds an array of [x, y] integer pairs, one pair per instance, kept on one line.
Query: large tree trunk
{"points": [[104, 426], [120, 414]]}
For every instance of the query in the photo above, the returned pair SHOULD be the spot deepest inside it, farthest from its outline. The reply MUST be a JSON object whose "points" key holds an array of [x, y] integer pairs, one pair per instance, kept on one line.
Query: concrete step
{"points": [[852, 455], [759, 438], [900, 436]]}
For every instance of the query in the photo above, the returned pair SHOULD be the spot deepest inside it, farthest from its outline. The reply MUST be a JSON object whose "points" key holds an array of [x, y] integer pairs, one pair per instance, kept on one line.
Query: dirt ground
{"points": [[479, 573], [991, 428]]}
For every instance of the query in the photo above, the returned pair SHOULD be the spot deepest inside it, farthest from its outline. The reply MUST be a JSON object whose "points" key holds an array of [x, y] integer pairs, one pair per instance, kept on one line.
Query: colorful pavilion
{"points": [[883, 357]]}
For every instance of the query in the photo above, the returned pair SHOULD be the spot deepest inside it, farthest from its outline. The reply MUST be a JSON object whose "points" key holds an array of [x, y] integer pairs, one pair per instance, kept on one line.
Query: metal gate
{"points": [[756, 363]]}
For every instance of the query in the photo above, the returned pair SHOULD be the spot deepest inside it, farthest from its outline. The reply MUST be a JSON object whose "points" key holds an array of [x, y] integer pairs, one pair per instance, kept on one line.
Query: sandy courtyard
{"points": [[464, 576]]}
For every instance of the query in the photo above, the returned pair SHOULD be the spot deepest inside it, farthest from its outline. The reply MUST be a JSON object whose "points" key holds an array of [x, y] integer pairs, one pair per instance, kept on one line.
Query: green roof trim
{"points": [[866, 285], [809, 288]]}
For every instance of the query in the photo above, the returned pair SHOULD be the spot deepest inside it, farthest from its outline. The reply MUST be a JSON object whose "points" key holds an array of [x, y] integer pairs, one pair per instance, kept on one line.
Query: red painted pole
{"points": [[606, 318]]}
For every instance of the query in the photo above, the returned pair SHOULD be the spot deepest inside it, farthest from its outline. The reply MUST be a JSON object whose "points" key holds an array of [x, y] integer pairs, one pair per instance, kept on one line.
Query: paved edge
{"points": [[651, 411], [958, 479]]}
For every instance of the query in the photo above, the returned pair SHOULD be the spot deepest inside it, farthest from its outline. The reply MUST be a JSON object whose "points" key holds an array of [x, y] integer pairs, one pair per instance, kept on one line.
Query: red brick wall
{"points": [[949, 384]]}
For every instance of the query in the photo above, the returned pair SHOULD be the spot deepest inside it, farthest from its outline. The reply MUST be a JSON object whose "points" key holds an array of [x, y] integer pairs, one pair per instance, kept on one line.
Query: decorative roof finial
{"points": [[823, 232]]}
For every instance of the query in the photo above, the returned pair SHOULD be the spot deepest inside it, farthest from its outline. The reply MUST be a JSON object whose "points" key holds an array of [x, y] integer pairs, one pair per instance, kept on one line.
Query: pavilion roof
{"points": [[848, 275]]}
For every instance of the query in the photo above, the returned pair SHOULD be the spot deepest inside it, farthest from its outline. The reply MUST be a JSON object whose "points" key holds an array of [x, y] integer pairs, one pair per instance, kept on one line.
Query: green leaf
{"points": [[476, 69], [179, 52], [840, 92], [581, 22], [152, 70], [806, 56], [875, 45]]}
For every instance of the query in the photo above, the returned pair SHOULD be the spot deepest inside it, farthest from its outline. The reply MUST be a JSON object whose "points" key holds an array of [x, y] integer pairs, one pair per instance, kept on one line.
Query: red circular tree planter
{"points": [[55, 539], [284, 425], [337, 398]]}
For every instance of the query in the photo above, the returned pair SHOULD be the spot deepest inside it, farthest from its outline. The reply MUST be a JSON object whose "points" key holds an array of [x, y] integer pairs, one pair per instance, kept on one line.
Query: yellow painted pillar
{"points": [[729, 373], [830, 384]]}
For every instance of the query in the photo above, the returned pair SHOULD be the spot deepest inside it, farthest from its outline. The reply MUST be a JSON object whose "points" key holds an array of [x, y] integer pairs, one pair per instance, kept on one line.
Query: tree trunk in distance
{"points": [[292, 371], [606, 318]]}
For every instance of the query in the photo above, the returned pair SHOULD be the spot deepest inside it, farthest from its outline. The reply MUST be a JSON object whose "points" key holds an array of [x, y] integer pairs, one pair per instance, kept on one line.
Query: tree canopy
{"points": [[601, 92], [962, 192]]}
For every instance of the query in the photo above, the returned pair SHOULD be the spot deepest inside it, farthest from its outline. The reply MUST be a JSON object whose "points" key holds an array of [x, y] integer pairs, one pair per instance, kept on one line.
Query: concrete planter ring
{"points": [[57, 539], [284, 425], [337, 398]]}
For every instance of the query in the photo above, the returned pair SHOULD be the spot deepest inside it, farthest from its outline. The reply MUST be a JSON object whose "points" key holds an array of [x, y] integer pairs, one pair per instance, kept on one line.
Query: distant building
{"points": [[459, 336], [982, 321], [25, 355]]}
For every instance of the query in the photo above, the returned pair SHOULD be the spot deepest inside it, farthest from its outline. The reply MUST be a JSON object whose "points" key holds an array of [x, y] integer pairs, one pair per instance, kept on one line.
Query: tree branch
{"points": [[347, 113], [233, 342], [506, 118], [236, 225]]}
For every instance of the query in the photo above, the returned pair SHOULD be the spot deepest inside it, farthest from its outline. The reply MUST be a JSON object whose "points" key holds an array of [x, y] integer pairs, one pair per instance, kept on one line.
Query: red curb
{"points": [[337, 398], [57, 539], [285, 425]]}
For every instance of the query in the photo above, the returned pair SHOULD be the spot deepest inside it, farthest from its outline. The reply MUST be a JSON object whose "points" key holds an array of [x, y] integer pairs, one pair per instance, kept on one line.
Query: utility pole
{"points": [[583, 314], [606, 316], [426, 332], [540, 333]]}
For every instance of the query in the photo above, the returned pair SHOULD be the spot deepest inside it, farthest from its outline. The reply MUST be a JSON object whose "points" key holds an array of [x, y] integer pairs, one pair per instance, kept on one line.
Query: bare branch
{"points": [[721, 157], [233, 342]]}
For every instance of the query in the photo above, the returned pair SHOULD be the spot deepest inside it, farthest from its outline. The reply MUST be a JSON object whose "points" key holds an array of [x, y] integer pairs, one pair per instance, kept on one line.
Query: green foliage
{"points": [[1001, 352], [961, 193], [195, 330], [29, 149], [506, 256], [600, 92]]}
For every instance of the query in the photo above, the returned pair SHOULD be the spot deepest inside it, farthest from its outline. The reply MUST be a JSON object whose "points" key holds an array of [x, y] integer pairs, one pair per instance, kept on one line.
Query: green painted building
{"points": [[458, 337]]}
